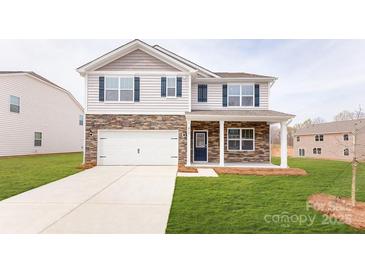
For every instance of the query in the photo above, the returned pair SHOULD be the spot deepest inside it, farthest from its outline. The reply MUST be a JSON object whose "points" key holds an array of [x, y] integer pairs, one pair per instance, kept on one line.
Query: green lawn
{"points": [[22, 173], [257, 204]]}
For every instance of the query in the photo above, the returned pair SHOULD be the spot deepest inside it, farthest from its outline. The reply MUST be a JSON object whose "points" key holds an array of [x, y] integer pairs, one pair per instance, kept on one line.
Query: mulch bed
{"points": [[185, 169], [261, 171], [339, 208]]}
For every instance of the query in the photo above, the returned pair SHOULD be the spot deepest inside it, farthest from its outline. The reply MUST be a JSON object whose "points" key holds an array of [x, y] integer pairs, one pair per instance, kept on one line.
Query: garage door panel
{"points": [[138, 148]]}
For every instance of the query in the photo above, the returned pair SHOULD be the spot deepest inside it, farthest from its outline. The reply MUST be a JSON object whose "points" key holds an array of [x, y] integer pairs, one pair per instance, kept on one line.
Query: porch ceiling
{"points": [[239, 115]]}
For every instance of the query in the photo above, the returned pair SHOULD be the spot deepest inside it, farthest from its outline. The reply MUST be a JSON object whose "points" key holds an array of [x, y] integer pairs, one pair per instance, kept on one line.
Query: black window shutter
{"points": [[202, 93], [179, 87], [163, 86], [101, 89], [224, 95], [136, 89], [257, 95]]}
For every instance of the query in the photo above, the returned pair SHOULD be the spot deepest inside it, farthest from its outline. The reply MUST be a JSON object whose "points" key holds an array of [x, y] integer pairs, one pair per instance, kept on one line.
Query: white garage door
{"points": [[143, 147]]}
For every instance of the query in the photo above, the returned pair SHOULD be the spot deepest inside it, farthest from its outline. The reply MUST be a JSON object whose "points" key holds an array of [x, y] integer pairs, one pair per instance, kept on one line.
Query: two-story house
{"points": [[148, 106], [333, 140], [37, 116]]}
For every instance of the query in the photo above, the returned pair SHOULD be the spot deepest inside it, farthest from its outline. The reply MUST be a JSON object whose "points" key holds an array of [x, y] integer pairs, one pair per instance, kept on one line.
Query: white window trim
{"points": [[167, 87], [14, 104], [301, 154], [118, 76], [41, 139], [240, 85], [241, 139], [348, 137], [82, 119]]}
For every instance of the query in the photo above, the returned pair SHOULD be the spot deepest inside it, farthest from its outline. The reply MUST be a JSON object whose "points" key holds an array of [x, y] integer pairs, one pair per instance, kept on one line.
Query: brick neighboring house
{"points": [[334, 140], [148, 106]]}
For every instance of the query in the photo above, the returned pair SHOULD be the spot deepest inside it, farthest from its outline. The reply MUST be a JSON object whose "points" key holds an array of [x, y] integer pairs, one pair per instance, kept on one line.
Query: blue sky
{"points": [[316, 77]]}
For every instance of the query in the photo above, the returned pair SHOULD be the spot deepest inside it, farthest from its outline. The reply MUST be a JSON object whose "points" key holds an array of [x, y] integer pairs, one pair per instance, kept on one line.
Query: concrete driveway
{"points": [[104, 199]]}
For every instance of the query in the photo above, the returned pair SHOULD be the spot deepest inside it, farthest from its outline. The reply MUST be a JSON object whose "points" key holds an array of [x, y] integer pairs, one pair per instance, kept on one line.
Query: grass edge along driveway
{"points": [[22, 173], [259, 204]]}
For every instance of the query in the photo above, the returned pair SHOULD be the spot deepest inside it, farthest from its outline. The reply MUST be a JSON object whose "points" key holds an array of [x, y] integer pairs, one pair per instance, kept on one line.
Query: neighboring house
{"points": [[334, 140], [148, 106], [37, 116]]}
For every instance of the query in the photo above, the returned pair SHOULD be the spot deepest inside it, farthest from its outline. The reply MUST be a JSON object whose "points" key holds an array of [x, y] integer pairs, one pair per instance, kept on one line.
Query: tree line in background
{"points": [[342, 116]]}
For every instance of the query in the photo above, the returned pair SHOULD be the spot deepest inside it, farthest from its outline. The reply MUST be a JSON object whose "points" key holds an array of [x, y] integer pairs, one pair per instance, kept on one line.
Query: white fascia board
{"points": [[136, 112], [271, 119], [330, 132], [232, 80], [136, 72], [113, 55]]}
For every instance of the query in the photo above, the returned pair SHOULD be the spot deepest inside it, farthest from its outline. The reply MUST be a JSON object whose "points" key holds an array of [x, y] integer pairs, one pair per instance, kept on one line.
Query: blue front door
{"points": [[200, 146]]}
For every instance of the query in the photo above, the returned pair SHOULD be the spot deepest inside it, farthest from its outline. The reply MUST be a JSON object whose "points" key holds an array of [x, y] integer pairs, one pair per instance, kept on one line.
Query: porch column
{"points": [[221, 143], [188, 142], [283, 145]]}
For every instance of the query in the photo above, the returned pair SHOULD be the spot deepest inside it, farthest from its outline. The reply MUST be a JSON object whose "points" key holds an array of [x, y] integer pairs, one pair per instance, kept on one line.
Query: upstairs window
{"points": [[241, 95], [298, 138], [81, 120], [241, 139], [126, 89], [318, 137], [119, 89], [345, 137], [346, 152], [111, 89], [171, 86], [37, 139], [14, 104]]}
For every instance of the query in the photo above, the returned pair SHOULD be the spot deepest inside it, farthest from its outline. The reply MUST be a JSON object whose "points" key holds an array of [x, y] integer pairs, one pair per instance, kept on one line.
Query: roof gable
{"points": [[138, 60], [128, 48], [43, 80]]}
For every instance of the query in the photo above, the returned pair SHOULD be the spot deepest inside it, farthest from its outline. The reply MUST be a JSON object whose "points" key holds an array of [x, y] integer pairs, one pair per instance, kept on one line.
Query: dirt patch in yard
{"points": [[262, 171], [183, 168], [340, 209], [275, 150]]}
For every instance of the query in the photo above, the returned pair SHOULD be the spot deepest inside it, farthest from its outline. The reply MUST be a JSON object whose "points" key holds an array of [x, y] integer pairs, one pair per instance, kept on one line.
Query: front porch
{"points": [[234, 138], [235, 165]]}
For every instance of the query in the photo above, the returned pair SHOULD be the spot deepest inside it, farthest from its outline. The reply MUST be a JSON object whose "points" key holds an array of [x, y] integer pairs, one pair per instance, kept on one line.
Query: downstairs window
{"points": [[241, 139]]}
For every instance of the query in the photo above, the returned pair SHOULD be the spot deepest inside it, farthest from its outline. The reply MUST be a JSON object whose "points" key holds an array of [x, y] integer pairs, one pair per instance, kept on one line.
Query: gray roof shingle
{"points": [[241, 75], [331, 127]]}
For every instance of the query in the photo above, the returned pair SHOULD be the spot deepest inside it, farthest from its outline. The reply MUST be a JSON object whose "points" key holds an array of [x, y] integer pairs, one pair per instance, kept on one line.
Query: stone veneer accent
{"points": [[136, 122], [262, 142]]}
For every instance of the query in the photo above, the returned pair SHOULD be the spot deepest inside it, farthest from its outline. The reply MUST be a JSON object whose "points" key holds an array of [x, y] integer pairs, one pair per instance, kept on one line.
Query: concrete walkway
{"points": [[115, 199]]}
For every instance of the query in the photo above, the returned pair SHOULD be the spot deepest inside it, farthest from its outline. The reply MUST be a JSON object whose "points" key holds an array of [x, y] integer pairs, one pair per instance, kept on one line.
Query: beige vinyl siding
{"points": [[332, 146], [43, 108], [150, 98], [215, 97], [137, 60]]}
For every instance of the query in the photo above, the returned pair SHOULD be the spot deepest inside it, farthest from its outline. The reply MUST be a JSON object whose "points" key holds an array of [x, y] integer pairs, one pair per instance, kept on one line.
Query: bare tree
{"points": [[318, 120], [358, 126], [350, 115]]}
